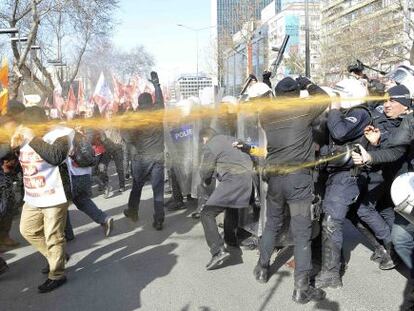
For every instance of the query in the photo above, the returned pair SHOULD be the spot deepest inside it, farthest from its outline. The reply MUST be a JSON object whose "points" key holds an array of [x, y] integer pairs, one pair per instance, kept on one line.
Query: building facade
{"points": [[268, 36], [228, 17], [373, 31], [190, 85], [292, 21]]}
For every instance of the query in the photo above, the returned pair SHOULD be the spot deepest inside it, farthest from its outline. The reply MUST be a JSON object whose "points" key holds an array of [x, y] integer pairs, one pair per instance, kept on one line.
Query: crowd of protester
{"points": [[332, 159]]}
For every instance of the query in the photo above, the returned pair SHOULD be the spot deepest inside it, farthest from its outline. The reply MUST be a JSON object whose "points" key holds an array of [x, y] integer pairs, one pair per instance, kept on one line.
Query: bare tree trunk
{"points": [[20, 58], [412, 53]]}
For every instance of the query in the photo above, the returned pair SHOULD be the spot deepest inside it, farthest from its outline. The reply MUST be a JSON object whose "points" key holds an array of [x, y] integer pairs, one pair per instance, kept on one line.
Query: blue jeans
{"points": [[403, 239], [372, 191], [144, 168], [81, 194]]}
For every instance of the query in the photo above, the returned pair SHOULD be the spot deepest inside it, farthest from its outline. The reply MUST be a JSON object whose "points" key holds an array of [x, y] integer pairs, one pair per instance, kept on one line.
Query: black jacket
{"points": [[233, 170], [289, 131], [396, 145], [148, 141]]}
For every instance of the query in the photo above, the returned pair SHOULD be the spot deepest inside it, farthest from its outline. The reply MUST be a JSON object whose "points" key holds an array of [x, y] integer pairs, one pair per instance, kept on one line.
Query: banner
{"points": [[103, 96], [71, 104]]}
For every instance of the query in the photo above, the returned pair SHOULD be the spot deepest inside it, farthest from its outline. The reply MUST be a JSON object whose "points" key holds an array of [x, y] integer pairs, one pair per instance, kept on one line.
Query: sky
{"points": [[153, 24]]}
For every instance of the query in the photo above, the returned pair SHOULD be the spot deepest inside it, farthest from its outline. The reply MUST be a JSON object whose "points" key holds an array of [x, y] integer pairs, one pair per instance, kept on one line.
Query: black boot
{"points": [[218, 259], [387, 263], [303, 292], [261, 273], [331, 264]]}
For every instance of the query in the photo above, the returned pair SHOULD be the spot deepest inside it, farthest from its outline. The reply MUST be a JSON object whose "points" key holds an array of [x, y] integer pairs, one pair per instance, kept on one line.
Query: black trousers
{"points": [[213, 237], [117, 155], [295, 191]]}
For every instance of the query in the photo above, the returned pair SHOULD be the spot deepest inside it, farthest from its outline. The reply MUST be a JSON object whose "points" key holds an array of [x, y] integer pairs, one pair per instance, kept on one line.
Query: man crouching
{"points": [[233, 169]]}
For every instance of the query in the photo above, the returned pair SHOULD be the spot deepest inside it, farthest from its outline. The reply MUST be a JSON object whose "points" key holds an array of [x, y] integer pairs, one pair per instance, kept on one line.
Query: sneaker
{"points": [[377, 254], [107, 192], [250, 243], [176, 206], [218, 259], [107, 226], [131, 214], [50, 285], [195, 215]]}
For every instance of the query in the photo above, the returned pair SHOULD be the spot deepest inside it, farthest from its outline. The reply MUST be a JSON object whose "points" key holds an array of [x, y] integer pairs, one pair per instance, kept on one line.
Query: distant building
{"points": [[269, 34], [188, 85], [291, 21], [374, 31], [226, 18]]}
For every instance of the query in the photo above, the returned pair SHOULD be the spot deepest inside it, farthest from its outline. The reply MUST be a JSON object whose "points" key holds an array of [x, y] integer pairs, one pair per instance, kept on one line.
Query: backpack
{"points": [[83, 152]]}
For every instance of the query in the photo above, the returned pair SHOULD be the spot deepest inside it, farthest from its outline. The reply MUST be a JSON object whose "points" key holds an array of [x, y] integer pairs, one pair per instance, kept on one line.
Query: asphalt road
{"points": [[138, 268]]}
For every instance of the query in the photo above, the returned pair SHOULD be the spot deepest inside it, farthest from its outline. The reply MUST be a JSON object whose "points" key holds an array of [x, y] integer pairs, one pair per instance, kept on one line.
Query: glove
{"points": [[303, 82], [154, 78], [266, 75], [242, 146]]}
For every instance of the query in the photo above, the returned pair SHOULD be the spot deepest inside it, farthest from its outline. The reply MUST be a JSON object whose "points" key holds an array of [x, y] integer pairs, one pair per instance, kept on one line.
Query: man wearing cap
{"points": [[375, 199], [392, 140]]}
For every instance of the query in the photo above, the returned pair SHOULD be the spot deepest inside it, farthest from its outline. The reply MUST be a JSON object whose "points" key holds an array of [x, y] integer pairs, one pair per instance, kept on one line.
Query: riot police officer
{"points": [[346, 122], [289, 144]]}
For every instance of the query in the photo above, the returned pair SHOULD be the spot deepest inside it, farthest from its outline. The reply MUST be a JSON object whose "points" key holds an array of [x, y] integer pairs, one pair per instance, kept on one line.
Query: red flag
{"points": [[81, 96], [102, 96], [71, 103], [46, 103], [58, 101]]}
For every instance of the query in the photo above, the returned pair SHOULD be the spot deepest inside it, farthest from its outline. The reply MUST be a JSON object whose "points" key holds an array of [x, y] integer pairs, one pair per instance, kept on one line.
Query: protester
{"points": [[147, 157], [233, 170], [80, 162], [47, 191], [114, 150]]}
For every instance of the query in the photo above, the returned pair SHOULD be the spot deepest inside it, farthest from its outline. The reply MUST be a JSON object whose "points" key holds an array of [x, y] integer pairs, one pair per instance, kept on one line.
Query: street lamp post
{"points": [[196, 31], [307, 40], [8, 30]]}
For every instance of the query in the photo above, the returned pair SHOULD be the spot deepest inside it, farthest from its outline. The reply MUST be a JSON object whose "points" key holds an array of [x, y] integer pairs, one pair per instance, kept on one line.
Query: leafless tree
{"points": [[63, 29], [103, 56]]}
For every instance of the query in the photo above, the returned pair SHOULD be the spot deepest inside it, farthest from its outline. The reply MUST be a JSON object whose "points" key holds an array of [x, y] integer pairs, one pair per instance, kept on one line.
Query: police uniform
{"points": [[342, 189], [289, 145]]}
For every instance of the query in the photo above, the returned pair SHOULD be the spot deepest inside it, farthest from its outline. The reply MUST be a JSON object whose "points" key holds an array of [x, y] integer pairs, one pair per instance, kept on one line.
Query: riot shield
{"points": [[249, 130], [180, 135]]}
